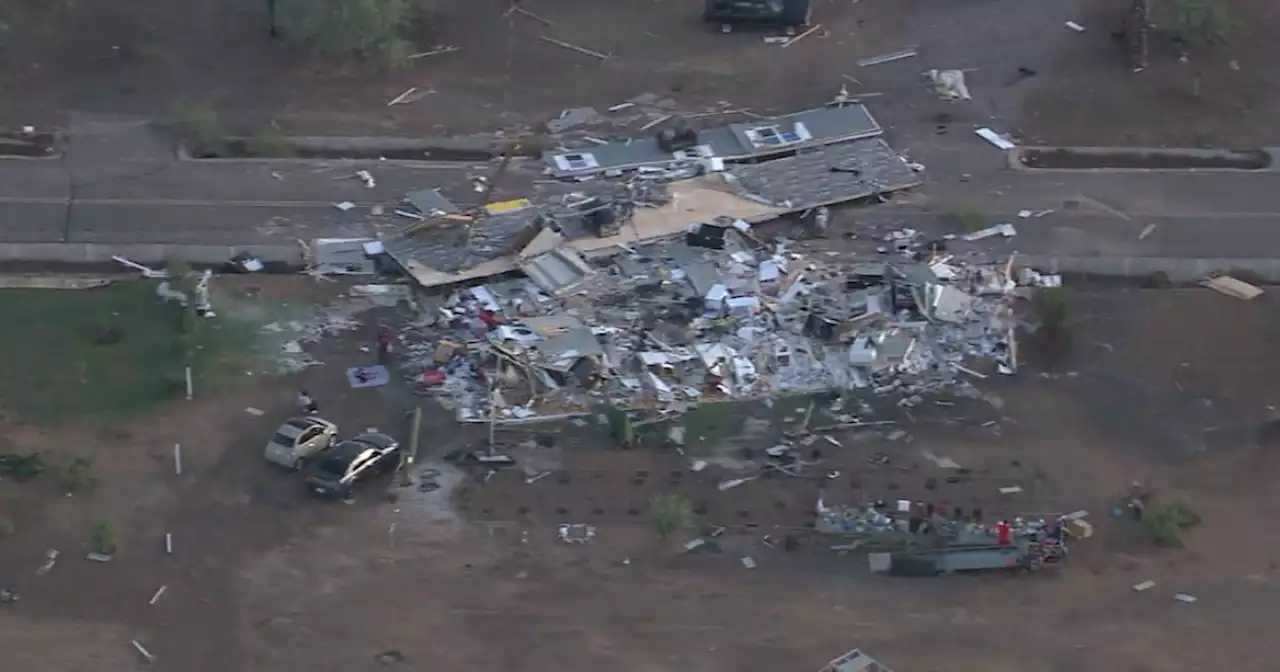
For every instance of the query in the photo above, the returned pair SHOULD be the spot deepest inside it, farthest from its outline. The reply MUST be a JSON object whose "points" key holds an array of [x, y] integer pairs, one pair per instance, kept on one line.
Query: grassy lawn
{"points": [[109, 353]]}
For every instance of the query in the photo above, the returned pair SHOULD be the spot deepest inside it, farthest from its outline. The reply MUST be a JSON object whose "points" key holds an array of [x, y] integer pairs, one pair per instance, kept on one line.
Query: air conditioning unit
{"points": [[674, 140]]}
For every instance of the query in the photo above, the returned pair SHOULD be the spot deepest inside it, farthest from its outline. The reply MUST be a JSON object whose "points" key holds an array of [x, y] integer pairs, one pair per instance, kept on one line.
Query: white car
{"points": [[298, 439]]}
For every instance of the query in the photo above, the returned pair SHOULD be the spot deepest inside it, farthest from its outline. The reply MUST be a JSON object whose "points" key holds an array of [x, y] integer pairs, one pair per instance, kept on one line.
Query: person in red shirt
{"points": [[1003, 533]]}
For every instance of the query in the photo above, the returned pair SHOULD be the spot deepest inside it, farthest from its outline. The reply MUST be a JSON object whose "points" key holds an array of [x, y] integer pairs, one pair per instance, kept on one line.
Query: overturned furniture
{"points": [[855, 661]]}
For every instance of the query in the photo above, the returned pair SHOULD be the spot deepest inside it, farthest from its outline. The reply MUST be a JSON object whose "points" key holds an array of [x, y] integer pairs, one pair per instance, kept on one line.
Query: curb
{"points": [[96, 254], [1014, 159], [1178, 269]]}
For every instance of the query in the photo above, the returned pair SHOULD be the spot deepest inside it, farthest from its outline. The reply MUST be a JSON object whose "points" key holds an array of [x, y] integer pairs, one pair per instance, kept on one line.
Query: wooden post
{"points": [[189, 386], [493, 417]]}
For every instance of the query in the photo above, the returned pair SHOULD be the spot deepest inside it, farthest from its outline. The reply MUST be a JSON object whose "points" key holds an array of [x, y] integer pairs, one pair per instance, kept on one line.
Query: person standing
{"points": [[306, 404], [1003, 533], [386, 338]]}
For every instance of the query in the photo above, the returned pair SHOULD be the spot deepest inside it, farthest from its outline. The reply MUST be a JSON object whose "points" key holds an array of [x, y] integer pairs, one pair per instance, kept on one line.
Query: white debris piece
{"points": [[1000, 141], [1075, 26], [255, 411], [949, 84], [50, 559], [366, 177], [146, 272], [1145, 585], [1004, 229], [143, 650], [1184, 597], [344, 205]]}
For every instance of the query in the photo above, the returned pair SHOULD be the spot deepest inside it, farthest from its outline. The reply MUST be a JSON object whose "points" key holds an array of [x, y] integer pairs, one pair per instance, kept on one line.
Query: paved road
{"points": [[103, 191]]}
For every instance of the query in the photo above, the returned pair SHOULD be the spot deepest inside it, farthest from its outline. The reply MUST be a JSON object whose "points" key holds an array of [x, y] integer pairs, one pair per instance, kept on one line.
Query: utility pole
{"points": [[271, 16]]}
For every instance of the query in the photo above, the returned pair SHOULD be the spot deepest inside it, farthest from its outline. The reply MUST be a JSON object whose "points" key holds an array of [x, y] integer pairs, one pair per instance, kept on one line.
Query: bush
{"points": [[200, 129], [672, 514], [1166, 525], [969, 219], [368, 29], [1051, 306], [102, 538], [78, 476], [1200, 22], [270, 143]]}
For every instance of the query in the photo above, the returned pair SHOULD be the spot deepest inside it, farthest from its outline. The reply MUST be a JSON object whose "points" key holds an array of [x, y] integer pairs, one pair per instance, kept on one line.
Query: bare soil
{"points": [[142, 58], [1171, 388]]}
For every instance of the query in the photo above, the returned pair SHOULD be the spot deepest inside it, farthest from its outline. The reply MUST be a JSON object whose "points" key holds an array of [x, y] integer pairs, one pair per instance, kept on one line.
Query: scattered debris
{"points": [[1006, 230], [576, 533], [434, 52], [1011, 490], [366, 177], [812, 29], [51, 558], [344, 205], [1000, 141], [1146, 231], [409, 95], [146, 272], [571, 118], [255, 411], [1225, 284], [1145, 585], [145, 653], [949, 84], [886, 58], [574, 47], [748, 562], [99, 557], [1184, 597], [1075, 26], [156, 597]]}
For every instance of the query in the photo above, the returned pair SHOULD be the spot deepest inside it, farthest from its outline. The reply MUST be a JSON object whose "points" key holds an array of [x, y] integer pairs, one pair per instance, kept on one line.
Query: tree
{"points": [[1200, 23], [672, 514], [365, 29]]}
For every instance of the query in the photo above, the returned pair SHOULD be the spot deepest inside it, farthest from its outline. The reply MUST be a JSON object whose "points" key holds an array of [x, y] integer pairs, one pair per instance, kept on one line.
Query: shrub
{"points": [[672, 514], [270, 143], [1167, 524], [102, 538], [1051, 306], [367, 29], [200, 129]]}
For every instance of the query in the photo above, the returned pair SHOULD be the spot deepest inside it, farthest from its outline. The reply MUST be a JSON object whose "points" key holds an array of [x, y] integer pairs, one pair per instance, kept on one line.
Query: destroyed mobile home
{"points": [[717, 316]]}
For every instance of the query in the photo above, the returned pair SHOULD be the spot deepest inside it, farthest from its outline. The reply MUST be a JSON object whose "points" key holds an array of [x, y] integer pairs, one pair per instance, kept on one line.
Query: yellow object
{"points": [[506, 206]]}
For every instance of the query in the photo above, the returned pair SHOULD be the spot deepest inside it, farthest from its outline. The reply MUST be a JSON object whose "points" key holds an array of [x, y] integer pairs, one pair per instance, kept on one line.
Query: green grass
{"points": [[109, 353]]}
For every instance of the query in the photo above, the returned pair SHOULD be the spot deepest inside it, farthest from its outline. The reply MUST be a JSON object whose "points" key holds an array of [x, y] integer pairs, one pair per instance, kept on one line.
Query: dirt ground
{"points": [[145, 57], [1168, 388]]}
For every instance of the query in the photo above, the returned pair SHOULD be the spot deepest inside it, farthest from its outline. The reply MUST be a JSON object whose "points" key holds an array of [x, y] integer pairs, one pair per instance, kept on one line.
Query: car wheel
{"points": [[297, 464]]}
